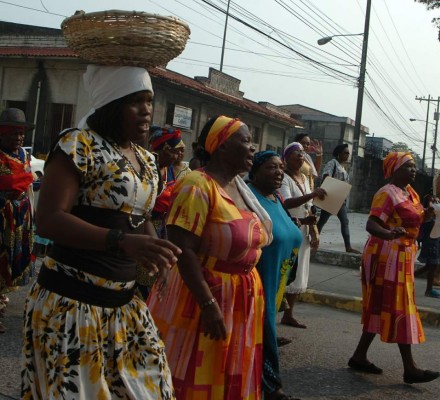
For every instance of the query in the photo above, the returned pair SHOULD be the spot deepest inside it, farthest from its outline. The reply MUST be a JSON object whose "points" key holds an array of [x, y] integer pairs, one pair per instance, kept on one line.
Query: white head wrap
{"points": [[106, 84]]}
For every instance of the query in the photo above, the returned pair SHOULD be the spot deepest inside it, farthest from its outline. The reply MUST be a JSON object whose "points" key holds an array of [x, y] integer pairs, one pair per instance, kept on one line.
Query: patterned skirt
{"points": [[16, 241], [208, 369], [389, 307], [73, 350]]}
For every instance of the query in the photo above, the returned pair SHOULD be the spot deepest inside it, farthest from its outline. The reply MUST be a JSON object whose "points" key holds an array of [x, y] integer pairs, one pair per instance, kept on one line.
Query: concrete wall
{"points": [[368, 178]]}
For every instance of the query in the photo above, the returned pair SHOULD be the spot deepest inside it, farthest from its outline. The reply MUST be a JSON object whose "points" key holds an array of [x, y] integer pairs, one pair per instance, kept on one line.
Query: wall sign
{"points": [[182, 117]]}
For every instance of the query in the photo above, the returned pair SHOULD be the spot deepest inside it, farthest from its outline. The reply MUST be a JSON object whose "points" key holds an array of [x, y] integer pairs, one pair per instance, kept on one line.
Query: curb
{"points": [[341, 259], [428, 315], [333, 257]]}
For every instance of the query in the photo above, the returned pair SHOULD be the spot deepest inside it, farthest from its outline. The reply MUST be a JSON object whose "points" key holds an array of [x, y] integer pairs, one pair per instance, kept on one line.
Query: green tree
{"points": [[432, 5], [402, 146]]}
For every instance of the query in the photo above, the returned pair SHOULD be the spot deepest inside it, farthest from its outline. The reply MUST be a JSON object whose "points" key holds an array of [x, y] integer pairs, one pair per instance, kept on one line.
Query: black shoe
{"points": [[427, 376], [282, 341], [367, 368]]}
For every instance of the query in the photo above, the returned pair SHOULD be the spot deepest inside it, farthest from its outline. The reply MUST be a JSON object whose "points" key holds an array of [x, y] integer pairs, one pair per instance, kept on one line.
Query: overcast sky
{"points": [[403, 53]]}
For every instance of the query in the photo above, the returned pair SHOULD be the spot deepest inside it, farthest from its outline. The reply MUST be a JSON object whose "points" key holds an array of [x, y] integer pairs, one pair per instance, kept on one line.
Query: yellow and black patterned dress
{"points": [[84, 344]]}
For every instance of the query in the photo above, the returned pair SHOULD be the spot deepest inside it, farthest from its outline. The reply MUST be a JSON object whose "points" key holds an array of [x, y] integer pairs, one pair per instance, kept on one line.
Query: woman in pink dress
{"points": [[211, 319], [388, 270]]}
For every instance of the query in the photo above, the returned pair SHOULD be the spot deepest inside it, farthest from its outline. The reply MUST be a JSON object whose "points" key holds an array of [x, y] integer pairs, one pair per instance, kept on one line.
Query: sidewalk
{"points": [[334, 275]]}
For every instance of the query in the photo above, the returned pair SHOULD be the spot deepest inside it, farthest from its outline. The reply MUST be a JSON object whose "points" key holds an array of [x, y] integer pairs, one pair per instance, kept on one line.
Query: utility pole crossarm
{"points": [[436, 117]]}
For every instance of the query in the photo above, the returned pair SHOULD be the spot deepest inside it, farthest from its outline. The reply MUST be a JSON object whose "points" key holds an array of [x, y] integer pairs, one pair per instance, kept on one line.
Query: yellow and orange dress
{"points": [[388, 269], [231, 241]]}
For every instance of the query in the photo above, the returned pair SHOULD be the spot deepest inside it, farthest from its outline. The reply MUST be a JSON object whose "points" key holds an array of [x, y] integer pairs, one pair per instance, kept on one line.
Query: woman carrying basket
{"points": [[86, 336]]}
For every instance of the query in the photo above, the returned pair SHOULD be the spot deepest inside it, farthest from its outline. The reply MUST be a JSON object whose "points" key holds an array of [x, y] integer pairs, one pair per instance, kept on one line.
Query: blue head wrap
{"points": [[259, 159]]}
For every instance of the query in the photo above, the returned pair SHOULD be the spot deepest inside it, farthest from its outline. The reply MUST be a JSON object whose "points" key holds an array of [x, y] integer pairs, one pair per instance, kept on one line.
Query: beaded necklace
{"points": [[144, 173], [303, 191]]}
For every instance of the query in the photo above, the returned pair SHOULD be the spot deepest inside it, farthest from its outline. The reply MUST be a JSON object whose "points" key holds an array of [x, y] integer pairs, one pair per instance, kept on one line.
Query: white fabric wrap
{"points": [[105, 84]]}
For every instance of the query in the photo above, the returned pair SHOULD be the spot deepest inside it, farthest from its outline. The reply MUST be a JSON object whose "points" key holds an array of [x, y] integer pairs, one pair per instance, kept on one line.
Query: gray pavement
{"points": [[331, 237], [314, 365]]}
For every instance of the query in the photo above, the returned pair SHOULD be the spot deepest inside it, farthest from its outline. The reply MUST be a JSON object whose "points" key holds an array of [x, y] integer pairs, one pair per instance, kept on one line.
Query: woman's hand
{"points": [[314, 244], [213, 323], [162, 282], [315, 146], [309, 220], [396, 233], [151, 253], [320, 193], [296, 221]]}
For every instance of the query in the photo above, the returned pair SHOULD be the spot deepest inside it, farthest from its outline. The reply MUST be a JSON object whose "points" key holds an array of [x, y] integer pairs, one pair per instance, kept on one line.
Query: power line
{"points": [[315, 63], [33, 9]]}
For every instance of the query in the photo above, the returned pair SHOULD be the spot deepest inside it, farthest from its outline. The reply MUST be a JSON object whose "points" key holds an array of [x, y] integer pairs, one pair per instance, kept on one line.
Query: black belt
{"points": [[83, 292]]}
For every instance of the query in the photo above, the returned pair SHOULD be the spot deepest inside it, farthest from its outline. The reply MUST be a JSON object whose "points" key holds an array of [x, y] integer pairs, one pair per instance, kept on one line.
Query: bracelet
{"points": [[318, 154], [114, 236], [208, 303]]}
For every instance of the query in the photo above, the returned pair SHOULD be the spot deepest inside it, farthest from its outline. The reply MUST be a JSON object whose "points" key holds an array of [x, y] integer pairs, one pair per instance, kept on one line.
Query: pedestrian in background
{"points": [[86, 336], [196, 162], [298, 199], [276, 261], [181, 168], [211, 318], [310, 167], [388, 299], [16, 225], [430, 251], [167, 144], [335, 169]]}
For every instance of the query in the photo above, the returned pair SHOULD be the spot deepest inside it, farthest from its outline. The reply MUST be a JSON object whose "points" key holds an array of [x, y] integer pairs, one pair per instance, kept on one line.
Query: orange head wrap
{"points": [[393, 161], [220, 131]]}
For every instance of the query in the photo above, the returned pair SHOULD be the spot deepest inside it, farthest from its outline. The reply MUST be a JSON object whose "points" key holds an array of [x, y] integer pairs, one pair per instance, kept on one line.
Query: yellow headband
{"points": [[220, 131], [393, 161]]}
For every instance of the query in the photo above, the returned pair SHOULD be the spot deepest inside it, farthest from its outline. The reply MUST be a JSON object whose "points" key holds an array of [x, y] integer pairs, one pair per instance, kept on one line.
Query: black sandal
{"points": [[282, 341]]}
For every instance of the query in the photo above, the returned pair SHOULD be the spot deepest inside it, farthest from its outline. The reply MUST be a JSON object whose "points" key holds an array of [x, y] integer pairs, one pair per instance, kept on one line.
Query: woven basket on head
{"points": [[118, 37]]}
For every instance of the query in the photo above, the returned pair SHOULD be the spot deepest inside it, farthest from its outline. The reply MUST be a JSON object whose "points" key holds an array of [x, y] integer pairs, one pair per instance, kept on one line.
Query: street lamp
{"points": [[361, 81], [421, 120], [327, 39]]}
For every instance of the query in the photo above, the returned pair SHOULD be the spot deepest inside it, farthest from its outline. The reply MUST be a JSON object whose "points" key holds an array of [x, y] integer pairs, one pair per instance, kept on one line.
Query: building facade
{"points": [[41, 76]]}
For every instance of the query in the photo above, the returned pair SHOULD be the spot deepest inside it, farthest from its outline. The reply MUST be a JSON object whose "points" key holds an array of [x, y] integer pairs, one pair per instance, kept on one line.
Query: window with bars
{"points": [[59, 117]]}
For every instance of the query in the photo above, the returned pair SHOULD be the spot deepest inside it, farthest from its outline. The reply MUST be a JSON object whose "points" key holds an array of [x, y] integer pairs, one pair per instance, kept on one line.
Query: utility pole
{"points": [[436, 117], [360, 95], [224, 37], [361, 83], [426, 131]]}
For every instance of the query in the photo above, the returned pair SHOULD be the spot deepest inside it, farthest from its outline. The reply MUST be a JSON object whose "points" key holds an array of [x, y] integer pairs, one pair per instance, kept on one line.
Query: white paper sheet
{"points": [[337, 192], [435, 231]]}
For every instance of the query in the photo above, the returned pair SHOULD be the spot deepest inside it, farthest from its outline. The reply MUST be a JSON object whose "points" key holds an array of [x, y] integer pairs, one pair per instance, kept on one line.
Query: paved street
{"points": [[314, 365]]}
